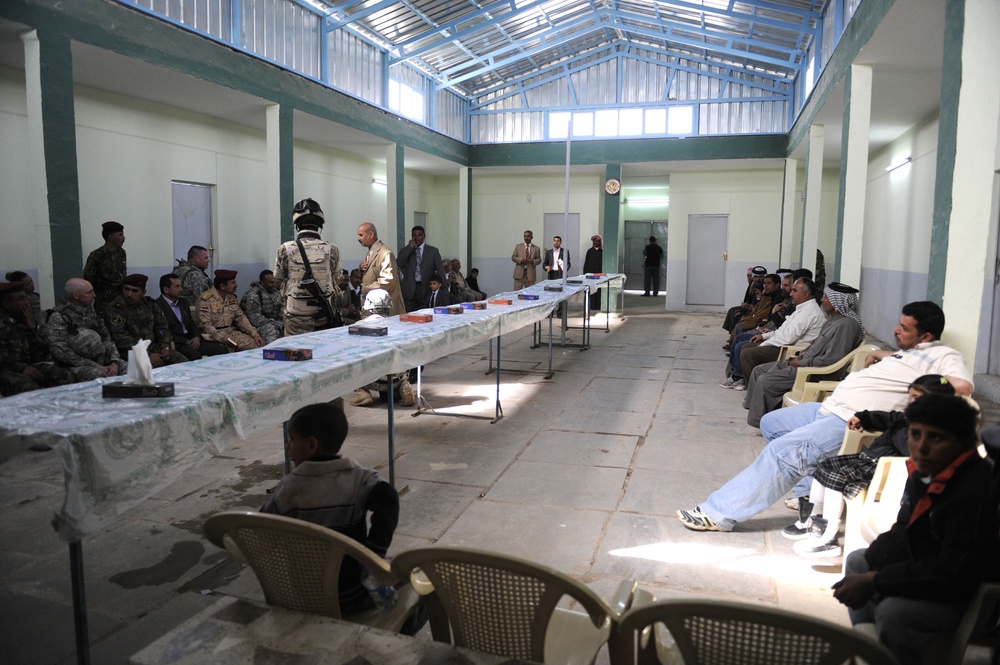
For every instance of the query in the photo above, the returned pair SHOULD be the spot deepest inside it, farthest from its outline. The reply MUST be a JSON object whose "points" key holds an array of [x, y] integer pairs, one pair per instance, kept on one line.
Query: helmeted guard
{"points": [[307, 306]]}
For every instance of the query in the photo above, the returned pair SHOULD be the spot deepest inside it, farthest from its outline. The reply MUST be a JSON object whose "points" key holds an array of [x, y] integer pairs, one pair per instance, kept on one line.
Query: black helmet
{"points": [[307, 213]]}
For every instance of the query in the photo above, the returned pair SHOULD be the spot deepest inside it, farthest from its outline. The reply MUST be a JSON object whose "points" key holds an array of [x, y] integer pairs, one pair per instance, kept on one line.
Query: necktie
{"points": [[420, 254]]}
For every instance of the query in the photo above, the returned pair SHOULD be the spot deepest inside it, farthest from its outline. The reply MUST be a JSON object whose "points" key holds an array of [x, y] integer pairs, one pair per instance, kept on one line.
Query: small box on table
{"points": [[473, 305], [527, 296], [122, 389], [285, 353], [451, 309], [416, 318], [596, 275], [368, 331], [552, 288], [574, 281], [500, 301]]}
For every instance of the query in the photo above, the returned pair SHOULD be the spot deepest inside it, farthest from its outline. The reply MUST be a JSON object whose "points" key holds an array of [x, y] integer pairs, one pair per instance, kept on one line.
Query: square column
{"points": [[814, 193], [280, 175], [853, 174], [789, 200]]}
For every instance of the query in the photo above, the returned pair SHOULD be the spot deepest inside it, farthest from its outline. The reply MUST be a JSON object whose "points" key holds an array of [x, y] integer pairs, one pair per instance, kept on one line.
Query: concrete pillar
{"points": [[614, 231], [789, 202], [966, 161], [853, 174], [280, 174], [814, 191], [55, 184]]}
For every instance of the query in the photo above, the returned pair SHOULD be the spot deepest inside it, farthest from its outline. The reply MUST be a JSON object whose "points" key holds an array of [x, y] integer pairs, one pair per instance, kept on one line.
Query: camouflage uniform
{"points": [[265, 311], [79, 340], [127, 324], [222, 320], [22, 347], [105, 271], [194, 281], [289, 271]]}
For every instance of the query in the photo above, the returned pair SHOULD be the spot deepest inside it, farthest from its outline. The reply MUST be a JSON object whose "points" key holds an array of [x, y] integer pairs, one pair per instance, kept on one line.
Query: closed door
{"points": [[706, 259], [192, 218]]}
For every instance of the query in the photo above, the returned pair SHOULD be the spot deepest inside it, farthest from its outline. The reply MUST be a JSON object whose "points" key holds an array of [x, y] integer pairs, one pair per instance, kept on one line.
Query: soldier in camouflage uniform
{"points": [[25, 362], [133, 316], [221, 318], [302, 312], [78, 337], [264, 307], [106, 265], [34, 300], [194, 281]]}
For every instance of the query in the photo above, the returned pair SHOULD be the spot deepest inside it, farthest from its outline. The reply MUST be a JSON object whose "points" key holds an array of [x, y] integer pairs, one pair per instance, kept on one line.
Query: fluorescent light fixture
{"points": [[380, 181], [903, 162], [647, 201]]}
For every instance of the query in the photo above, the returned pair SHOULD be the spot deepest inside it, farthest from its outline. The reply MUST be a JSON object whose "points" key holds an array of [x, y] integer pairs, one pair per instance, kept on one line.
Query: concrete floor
{"points": [[584, 474]]}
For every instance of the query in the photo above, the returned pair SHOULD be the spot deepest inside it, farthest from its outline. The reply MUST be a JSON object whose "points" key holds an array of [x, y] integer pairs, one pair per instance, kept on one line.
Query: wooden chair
{"points": [[509, 606], [298, 565], [809, 388], [719, 632]]}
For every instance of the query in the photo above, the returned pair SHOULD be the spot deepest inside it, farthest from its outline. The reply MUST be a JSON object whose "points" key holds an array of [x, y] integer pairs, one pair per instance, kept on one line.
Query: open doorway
{"points": [[636, 238]]}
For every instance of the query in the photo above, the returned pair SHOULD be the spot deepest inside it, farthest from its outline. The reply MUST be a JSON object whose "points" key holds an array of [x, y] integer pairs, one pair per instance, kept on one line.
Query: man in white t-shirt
{"points": [[800, 437]]}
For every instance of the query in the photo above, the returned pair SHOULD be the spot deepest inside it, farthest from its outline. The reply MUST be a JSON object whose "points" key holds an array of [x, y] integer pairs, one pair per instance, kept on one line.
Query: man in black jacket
{"points": [[183, 327], [916, 579]]}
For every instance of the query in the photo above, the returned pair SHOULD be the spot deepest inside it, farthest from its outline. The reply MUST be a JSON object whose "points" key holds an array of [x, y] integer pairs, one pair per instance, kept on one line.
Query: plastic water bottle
{"points": [[385, 597]]}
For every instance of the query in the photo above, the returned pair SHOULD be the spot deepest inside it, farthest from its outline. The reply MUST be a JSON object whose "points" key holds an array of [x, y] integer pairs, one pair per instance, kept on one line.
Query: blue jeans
{"points": [[739, 342], [904, 625], [798, 439]]}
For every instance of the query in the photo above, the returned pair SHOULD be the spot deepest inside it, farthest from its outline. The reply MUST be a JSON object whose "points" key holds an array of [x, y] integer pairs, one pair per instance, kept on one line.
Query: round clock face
{"points": [[612, 186]]}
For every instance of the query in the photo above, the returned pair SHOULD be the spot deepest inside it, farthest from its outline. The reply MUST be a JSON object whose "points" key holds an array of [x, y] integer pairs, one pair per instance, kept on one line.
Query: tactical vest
{"points": [[318, 253]]}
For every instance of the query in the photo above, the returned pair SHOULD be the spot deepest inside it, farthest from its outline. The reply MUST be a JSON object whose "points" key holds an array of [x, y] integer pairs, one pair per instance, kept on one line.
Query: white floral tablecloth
{"points": [[118, 452]]}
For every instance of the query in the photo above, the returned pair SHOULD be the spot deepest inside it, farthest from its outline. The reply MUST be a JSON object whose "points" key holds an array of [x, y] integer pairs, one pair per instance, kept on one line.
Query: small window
{"points": [[630, 122], [558, 125], [606, 123], [656, 121], [681, 120]]}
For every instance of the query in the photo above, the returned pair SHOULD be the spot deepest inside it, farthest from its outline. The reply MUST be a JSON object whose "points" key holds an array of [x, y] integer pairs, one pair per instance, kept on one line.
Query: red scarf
{"points": [[937, 485]]}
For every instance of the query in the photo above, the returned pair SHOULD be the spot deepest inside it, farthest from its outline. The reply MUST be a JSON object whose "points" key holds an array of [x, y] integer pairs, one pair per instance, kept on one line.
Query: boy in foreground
{"points": [[336, 492], [916, 579]]}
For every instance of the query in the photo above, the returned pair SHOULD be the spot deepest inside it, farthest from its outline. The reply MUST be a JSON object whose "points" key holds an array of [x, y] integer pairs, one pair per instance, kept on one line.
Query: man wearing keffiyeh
{"points": [[841, 334], [916, 580]]}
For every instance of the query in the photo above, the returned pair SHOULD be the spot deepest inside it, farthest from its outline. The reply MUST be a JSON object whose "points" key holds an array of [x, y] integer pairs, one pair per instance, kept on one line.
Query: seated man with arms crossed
{"points": [[800, 437]]}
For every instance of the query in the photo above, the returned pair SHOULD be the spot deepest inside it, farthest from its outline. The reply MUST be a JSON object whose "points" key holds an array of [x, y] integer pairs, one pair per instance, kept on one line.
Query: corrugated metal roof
{"points": [[473, 47]]}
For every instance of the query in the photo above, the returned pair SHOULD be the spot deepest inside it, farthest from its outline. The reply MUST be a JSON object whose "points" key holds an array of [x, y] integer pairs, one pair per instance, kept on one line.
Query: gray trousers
{"points": [[766, 386], [904, 625]]}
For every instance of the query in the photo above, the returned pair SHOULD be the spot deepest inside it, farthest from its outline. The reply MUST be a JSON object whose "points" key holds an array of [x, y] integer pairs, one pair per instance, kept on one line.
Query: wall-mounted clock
{"points": [[612, 186]]}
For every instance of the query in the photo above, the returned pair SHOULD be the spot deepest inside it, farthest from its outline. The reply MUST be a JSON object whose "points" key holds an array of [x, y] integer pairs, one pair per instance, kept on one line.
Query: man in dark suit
{"points": [[556, 259], [183, 327], [417, 262]]}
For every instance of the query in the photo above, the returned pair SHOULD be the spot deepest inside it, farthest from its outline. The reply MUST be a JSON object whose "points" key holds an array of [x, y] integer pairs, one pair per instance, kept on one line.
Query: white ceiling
{"points": [[905, 54]]}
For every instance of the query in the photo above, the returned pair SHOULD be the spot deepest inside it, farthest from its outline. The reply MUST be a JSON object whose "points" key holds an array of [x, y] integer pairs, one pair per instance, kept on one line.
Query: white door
{"points": [[192, 218], [706, 259]]}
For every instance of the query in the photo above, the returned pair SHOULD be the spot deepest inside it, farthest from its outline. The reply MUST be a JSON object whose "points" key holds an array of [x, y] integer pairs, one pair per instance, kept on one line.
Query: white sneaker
{"points": [[814, 548], [739, 386], [728, 383], [362, 398]]}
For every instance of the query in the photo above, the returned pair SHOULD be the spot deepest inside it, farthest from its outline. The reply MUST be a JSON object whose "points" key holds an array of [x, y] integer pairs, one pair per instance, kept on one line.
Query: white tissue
{"points": [[140, 370]]}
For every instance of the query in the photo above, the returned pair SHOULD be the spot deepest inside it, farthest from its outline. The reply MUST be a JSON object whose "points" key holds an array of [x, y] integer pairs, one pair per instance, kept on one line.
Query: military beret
{"points": [[136, 279], [759, 270], [10, 288], [111, 227], [842, 288], [225, 275]]}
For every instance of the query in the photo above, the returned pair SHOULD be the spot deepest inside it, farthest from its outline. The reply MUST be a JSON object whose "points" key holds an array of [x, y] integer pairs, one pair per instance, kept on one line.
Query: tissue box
{"points": [[368, 331], [500, 301], [416, 318], [473, 305], [574, 281], [121, 389], [451, 309], [527, 296], [553, 288], [288, 354], [596, 275]]}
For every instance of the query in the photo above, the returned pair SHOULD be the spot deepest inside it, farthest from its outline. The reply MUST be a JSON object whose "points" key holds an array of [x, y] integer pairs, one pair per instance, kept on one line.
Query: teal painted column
{"points": [[281, 169], [49, 82], [397, 194], [963, 188], [465, 205], [614, 230]]}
